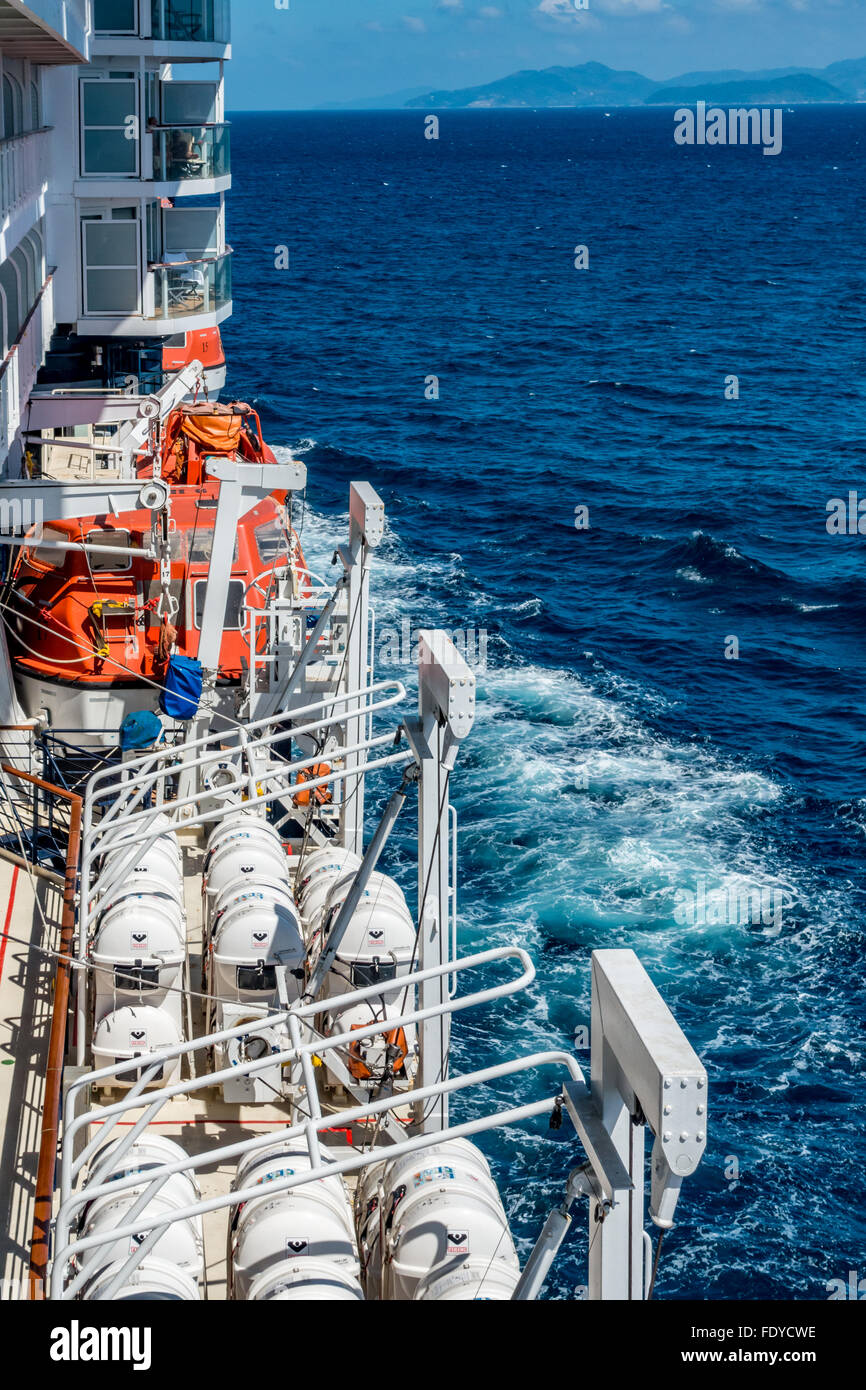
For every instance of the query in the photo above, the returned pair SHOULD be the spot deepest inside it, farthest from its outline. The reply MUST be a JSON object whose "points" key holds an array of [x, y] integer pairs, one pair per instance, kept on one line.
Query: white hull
{"points": [[87, 718]]}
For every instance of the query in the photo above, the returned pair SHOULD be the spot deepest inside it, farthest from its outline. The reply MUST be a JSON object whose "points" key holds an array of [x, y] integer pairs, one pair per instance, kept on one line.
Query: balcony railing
{"points": [[177, 21], [190, 21], [190, 152], [23, 168], [19, 368], [185, 288]]}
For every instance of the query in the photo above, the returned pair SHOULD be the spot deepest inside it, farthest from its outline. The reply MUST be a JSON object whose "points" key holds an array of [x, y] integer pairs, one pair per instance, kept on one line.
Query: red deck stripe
{"points": [[5, 940]]}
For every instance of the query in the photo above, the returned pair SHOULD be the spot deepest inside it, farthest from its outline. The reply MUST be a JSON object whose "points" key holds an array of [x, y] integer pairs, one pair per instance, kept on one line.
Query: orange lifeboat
{"points": [[88, 631]]}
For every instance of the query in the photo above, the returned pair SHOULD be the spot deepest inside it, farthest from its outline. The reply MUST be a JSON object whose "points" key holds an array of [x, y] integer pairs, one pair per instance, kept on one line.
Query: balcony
{"points": [[23, 170], [179, 294], [182, 288], [184, 149], [190, 21], [18, 374], [191, 153], [45, 31], [168, 27]]}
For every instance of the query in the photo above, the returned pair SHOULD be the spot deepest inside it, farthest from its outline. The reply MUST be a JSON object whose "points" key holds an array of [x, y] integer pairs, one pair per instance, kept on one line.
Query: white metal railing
{"points": [[23, 168], [21, 365], [132, 825], [310, 1128]]}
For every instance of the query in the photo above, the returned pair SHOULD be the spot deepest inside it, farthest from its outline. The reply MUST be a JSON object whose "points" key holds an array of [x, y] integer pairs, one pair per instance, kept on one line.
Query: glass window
{"points": [[108, 103], [104, 564], [111, 243], [184, 102], [271, 541], [53, 559], [191, 231], [112, 281], [115, 17], [109, 115], [234, 603], [191, 21], [201, 547]]}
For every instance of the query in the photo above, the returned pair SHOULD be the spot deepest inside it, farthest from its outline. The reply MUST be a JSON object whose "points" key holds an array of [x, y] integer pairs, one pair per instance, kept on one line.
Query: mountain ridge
{"points": [[595, 84]]}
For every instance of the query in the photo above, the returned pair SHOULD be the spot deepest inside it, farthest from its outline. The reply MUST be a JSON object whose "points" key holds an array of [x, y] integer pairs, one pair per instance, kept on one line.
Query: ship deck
{"points": [[30, 909], [200, 1122]]}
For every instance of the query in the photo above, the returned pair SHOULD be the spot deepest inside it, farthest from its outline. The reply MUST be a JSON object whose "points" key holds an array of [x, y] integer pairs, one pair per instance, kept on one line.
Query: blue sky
{"points": [[315, 51]]}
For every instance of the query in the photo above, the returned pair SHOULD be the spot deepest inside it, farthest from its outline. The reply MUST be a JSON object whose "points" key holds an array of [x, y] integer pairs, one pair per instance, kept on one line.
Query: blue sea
{"points": [[627, 752]]}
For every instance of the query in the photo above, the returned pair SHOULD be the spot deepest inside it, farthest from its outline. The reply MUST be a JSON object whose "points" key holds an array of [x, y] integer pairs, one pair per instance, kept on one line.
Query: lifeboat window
{"points": [[234, 603], [51, 559], [130, 1077], [136, 977], [373, 974], [271, 541], [253, 977], [106, 564], [201, 548]]}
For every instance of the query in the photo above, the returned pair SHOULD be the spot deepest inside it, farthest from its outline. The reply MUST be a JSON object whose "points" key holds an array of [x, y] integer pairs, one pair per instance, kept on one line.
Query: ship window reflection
{"points": [[52, 559], [271, 541], [106, 564], [201, 548]]}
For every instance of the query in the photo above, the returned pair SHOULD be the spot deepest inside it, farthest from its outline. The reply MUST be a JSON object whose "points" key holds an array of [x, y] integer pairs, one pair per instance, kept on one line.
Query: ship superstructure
{"points": [[114, 164], [227, 1016]]}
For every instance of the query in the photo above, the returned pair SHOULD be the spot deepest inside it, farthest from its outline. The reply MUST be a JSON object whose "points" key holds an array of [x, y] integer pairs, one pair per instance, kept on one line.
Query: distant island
{"points": [[593, 84]]}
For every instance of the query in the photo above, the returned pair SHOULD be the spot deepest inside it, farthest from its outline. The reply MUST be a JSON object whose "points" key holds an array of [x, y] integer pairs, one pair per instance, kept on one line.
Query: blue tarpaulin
{"points": [[140, 730], [183, 683]]}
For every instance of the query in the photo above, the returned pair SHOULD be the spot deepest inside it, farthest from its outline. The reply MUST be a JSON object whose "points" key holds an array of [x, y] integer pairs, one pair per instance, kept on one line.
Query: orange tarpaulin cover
{"points": [[211, 428], [216, 433]]}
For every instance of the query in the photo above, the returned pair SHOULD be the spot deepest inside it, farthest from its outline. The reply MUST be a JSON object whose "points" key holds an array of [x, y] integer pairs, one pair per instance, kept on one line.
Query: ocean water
{"points": [[619, 758]]}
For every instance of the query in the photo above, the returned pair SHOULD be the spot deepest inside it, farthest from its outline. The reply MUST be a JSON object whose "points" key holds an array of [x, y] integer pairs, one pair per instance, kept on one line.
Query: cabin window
{"points": [[107, 564], [233, 620], [271, 541], [51, 559], [109, 127], [115, 17], [201, 548]]}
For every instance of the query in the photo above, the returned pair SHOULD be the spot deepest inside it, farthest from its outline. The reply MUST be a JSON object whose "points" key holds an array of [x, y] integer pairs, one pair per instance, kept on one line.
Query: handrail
{"points": [[26, 324], [202, 260], [40, 1244], [25, 135], [185, 125]]}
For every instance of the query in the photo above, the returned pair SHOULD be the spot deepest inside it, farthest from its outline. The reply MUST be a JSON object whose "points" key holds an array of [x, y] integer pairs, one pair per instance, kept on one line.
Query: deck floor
{"points": [[26, 982]]}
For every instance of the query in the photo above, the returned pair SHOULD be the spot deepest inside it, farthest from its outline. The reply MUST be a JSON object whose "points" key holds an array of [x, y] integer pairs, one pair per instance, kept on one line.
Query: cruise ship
{"points": [[225, 1012]]}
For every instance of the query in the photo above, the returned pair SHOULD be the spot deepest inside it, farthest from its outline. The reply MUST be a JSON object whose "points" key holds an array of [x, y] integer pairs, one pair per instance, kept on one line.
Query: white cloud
{"points": [[568, 10], [490, 12], [416, 25], [623, 6]]}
